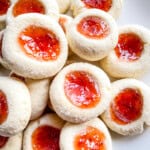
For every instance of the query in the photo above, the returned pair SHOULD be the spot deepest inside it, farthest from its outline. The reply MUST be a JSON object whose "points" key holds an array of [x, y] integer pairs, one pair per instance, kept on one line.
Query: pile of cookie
{"points": [[61, 56]]}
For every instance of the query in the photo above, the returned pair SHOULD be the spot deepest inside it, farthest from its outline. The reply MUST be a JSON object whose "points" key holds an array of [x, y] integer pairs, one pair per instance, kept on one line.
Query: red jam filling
{"points": [[40, 43], [93, 27], [3, 141], [90, 139], [127, 106], [98, 4], [3, 107], [45, 138], [129, 47], [4, 5], [28, 6], [81, 89]]}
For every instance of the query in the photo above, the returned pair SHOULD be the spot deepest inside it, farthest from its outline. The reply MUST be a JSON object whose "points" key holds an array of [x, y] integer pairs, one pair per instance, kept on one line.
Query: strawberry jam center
{"points": [[39, 43], [28, 6], [3, 141], [45, 138], [90, 139], [81, 89], [99, 4], [129, 47], [3, 107], [127, 106], [93, 27], [4, 5]]}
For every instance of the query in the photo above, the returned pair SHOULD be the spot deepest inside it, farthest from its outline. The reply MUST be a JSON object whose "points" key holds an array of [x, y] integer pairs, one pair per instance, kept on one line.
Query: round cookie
{"points": [[92, 34], [130, 57], [129, 108], [90, 135], [43, 133], [15, 106], [39, 47], [84, 91]]}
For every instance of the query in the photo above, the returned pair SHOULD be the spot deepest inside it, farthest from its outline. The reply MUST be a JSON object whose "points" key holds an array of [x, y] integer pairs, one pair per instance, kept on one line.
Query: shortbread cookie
{"points": [[11, 143], [113, 7], [43, 133], [91, 135], [92, 34], [39, 91], [131, 56], [80, 92], [15, 106], [39, 47], [63, 5], [33, 6], [129, 108]]}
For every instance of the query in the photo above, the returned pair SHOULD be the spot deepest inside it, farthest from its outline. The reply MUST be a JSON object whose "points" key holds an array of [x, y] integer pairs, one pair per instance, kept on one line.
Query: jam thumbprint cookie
{"points": [[92, 34], [91, 135], [43, 134], [39, 47], [11, 143], [15, 106], [113, 7], [129, 108], [80, 92], [131, 56], [44, 7], [63, 5]]}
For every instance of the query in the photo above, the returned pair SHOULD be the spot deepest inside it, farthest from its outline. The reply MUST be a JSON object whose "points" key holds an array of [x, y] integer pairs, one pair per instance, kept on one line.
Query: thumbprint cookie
{"points": [[43, 134], [92, 34], [90, 135], [80, 92], [11, 143], [63, 5], [131, 56], [44, 7], [129, 108], [39, 47], [113, 7], [15, 106]]}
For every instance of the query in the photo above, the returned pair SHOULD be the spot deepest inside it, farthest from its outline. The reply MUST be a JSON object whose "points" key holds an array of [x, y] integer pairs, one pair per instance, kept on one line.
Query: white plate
{"points": [[134, 12]]}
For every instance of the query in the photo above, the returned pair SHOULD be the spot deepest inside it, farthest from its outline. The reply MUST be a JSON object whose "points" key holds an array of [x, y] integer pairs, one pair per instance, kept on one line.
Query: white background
{"points": [[134, 12]]}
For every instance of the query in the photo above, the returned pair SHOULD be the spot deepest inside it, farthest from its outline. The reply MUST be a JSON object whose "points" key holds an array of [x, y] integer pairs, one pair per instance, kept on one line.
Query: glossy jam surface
{"points": [[129, 47], [127, 106], [39, 43], [4, 5], [28, 6], [3, 107], [93, 27], [45, 138], [3, 141], [90, 139], [99, 4], [82, 89]]}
